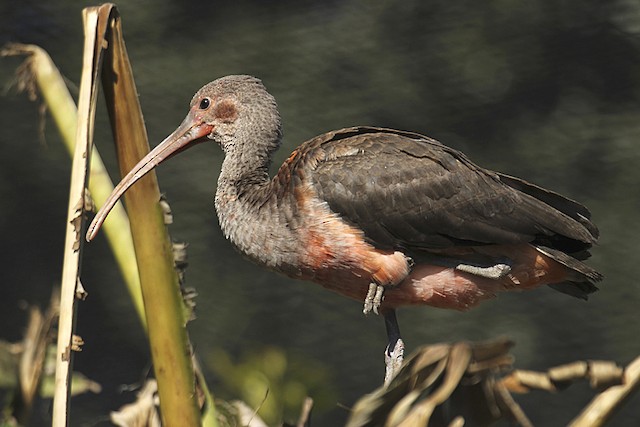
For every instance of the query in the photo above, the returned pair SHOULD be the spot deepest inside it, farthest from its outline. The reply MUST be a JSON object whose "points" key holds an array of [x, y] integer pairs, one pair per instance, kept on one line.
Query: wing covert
{"points": [[407, 190]]}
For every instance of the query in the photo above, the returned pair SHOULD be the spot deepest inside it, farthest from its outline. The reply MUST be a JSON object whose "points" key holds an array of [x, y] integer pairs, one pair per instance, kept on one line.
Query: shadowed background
{"points": [[545, 90]]}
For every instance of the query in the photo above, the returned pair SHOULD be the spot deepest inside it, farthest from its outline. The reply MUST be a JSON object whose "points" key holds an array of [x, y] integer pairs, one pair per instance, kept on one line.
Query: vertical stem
{"points": [[73, 240], [166, 322]]}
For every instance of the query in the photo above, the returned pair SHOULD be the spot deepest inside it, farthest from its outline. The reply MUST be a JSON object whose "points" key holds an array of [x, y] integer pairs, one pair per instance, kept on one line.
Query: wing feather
{"points": [[407, 190]]}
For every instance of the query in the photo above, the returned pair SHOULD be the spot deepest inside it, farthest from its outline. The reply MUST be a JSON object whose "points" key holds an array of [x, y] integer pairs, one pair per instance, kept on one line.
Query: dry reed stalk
{"points": [[67, 342], [604, 405]]}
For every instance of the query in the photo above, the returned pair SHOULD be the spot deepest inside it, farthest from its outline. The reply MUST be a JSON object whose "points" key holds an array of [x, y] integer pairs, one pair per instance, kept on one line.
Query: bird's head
{"points": [[231, 110], [236, 112]]}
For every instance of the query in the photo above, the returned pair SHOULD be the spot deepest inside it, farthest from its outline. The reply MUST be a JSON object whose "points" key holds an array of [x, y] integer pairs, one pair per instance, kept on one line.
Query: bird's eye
{"points": [[205, 103]]}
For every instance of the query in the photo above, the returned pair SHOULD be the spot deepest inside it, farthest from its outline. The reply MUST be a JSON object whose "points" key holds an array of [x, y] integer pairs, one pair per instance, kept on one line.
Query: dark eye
{"points": [[205, 103]]}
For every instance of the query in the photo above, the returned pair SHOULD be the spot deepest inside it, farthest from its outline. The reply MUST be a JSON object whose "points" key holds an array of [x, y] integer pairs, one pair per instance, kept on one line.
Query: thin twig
{"points": [[515, 411]]}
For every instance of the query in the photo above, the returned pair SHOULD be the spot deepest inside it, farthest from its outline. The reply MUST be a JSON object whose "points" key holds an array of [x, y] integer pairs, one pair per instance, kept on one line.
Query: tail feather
{"points": [[575, 289], [567, 206], [581, 281], [568, 252]]}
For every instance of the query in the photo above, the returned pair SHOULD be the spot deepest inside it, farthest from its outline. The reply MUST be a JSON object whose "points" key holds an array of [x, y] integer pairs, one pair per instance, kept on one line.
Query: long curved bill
{"points": [[190, 131]]}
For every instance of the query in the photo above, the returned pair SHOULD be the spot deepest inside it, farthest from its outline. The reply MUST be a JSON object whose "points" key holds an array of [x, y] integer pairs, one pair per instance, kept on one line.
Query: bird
{"points": [[387, 217]]}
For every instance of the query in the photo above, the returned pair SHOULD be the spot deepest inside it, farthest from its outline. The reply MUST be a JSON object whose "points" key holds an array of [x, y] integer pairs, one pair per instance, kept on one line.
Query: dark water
{"points": [[544, 90]]}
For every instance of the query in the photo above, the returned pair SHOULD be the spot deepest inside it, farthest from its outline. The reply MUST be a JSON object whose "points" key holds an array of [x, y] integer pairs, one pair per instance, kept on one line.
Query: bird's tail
{"points": [[582, 278]]}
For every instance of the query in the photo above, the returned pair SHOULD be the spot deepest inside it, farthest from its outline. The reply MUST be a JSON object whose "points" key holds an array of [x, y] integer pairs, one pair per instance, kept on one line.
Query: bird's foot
{"points": [[495, 271], [394, 353], [374, 298], [393, 359]]}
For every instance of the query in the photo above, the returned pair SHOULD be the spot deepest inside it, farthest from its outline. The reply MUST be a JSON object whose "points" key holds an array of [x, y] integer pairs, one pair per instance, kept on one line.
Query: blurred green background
{"points": [[547, 90]]}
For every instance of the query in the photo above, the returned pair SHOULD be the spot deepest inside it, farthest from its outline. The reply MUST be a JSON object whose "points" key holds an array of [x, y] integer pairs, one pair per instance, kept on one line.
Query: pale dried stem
{"points": [[73, 236], [604, 405]]}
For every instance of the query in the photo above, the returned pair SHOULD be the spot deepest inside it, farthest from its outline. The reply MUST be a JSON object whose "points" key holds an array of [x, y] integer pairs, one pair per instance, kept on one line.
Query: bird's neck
{"points": [[243, 187], [240, 178], [247, 207]]}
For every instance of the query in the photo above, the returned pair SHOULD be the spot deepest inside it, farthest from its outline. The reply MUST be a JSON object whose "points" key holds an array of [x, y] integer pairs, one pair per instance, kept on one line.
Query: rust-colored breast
{"points": [[336, 254]]}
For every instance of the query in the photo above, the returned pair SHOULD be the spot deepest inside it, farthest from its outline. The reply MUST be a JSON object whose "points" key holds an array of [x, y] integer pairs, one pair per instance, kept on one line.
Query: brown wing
{"points": [[407, 190]]}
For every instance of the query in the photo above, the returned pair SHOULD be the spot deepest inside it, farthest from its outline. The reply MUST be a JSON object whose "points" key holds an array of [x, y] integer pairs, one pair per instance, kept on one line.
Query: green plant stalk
{"points": [[209, 416], [166, 323], [60, 104]]}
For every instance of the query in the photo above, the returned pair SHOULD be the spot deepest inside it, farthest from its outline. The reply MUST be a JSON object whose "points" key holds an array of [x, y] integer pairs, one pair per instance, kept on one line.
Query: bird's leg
{"points": [[495, 271], [375, 293], [394, 353], [478, 265], [374, 298]]}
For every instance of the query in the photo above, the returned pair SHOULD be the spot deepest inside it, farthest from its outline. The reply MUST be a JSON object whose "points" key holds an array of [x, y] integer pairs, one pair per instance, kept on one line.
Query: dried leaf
{"points": [[76, 343], [599, 373], [568, 372], [457, 376], [166, 210], [81, 293], [604, 405], [604, 373], [141, 413], [533, 380], [247, 416]]}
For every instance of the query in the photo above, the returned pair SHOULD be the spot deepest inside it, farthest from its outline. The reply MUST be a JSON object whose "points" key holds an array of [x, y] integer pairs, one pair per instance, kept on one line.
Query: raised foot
{"points": [[374, 298], [393, 359], [496, 271]]}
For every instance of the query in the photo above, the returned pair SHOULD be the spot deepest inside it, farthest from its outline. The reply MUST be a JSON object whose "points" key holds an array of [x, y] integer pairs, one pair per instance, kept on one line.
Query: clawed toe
{"points": [[374, 298]]}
